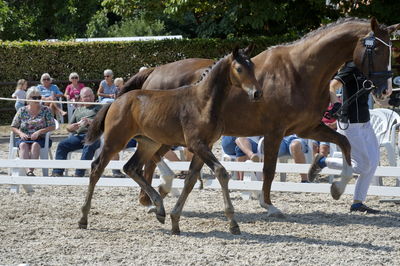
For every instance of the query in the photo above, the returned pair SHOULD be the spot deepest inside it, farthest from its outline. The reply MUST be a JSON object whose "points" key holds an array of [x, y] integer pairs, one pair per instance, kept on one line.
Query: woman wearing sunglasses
{"points": [[50, 92], [107, 90], [31, 123]]}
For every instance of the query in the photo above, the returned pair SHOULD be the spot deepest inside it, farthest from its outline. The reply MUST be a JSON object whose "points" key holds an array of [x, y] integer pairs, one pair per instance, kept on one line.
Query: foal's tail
{"points": [[136, 82], [96, 128]]}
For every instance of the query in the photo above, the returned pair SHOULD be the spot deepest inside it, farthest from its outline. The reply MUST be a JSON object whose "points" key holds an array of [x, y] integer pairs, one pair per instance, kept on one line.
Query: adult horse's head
{"points": [[372, 56], [242, 73]]}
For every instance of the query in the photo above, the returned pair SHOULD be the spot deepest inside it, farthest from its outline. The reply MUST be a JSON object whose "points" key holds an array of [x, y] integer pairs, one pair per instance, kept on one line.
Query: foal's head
{"points": [[372, 56], [242, 73]]}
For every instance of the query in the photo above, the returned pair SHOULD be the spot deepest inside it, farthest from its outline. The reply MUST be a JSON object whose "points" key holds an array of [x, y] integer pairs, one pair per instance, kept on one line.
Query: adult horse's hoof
{"points": [[234, 228], [162, 191], [272, 211], [335, 191]]}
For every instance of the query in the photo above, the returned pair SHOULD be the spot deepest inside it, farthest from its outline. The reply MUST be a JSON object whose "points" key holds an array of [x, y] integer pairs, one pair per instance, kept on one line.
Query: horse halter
{"points": [[370, 43]]}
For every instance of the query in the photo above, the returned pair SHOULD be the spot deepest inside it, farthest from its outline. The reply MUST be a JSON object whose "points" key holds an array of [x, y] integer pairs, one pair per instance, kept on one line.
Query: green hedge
{"points": [[29, 60]]}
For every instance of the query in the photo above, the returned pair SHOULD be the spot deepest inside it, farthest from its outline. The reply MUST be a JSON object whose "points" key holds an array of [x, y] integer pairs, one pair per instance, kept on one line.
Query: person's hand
{"points": [[334, 112], [332, 125], [23, 136], [35, 135], [74, 126], [86, 121]]}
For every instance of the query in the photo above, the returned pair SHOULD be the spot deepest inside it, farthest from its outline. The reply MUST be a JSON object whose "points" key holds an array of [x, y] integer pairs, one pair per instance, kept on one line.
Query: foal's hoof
{"points": [[82, 225], [161, 216], [234, 229], [201, 186], [175, 232], [151, 209], [335, 192]]}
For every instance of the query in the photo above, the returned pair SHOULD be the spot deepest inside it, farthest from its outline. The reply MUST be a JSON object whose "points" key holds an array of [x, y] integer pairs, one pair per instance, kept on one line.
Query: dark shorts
{"points": [[132, 143], [229, 146], [41, 142]]}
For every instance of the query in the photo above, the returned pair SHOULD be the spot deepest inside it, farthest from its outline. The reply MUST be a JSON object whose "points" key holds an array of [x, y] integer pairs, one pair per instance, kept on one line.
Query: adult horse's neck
{"points": [[214, 87], [325, 50]]}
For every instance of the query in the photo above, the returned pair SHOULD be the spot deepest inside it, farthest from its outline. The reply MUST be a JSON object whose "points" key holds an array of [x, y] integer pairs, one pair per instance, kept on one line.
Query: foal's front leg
{"points": [[204, 152]]}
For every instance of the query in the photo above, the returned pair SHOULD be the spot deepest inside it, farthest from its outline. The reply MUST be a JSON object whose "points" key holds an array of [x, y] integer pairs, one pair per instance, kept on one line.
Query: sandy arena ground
{"points": [[41, 228]]}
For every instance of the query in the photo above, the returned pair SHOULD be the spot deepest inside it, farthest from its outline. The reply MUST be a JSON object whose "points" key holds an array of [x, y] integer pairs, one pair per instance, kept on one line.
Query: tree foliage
{"points": [[44, 19], [64, 19]]}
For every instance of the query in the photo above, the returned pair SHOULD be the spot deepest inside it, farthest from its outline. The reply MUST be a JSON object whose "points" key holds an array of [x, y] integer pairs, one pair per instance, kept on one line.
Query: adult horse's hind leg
{"points": [[145, 151], [190, 180], [324, 133]]}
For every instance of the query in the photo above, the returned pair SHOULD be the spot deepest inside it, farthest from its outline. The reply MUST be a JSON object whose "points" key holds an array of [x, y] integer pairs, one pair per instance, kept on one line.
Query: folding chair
{"points": [[45, 152], [385, 123]]}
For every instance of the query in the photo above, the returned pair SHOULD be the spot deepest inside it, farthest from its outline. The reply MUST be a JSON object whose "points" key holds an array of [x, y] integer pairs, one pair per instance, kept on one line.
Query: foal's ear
{"points": [[249, 49], [374, 24], [235, 52], [393, 28]]}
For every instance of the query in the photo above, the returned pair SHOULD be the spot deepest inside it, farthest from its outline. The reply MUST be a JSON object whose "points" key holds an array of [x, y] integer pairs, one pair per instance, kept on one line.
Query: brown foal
{"points": [[188, 116]]}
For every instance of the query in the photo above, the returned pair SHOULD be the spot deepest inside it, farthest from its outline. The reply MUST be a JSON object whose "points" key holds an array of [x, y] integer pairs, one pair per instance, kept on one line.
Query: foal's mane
{"points": [[208, 70], [205, 73]]}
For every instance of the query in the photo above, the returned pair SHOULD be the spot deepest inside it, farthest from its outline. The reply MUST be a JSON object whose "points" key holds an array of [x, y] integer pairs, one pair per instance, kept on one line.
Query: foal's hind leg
{"points": [[190, 181], [145, 151], [149, 168], [98, 166]]}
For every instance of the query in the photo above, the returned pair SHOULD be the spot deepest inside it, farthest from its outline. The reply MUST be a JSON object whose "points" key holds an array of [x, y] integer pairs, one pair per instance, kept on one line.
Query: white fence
{"points": [[179, 166]]}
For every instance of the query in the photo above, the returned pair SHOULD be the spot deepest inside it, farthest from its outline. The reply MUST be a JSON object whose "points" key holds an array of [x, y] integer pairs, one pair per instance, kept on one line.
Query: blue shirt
{"points": [[108, 89], [48, 92]]}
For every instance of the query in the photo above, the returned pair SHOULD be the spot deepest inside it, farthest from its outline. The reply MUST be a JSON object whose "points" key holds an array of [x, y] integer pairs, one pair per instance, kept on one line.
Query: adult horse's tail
{"points": [[136, 82], [96, 128]]}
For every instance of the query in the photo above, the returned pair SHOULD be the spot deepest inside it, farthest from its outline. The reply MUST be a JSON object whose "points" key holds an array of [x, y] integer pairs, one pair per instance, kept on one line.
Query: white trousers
{"points": [[364, 155]]}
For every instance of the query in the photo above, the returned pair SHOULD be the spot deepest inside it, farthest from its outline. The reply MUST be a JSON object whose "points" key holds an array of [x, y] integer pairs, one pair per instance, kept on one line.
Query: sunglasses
{"points": [[36, 97], [46, 79], [107, 76], [74, 77]]}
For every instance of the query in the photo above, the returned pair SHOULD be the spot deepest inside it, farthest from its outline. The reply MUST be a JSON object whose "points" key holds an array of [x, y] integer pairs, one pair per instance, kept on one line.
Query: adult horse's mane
{"points": [[323, 29]]}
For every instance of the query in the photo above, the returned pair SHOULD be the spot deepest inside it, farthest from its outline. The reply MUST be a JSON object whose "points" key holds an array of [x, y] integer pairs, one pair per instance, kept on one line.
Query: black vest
{"points": [[352, 79]]}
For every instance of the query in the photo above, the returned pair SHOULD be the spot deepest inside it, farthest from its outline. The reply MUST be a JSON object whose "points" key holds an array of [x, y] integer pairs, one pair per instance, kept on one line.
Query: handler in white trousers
{"points": [[355, 125]]}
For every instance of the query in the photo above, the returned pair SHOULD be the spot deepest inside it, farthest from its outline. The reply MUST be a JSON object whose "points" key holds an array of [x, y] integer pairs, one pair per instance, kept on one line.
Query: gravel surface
{"points": [[41, 228]]}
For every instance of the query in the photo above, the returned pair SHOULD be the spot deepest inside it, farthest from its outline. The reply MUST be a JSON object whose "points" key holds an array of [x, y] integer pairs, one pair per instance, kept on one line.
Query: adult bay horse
{"points": [[187, 116], [294, 78]]}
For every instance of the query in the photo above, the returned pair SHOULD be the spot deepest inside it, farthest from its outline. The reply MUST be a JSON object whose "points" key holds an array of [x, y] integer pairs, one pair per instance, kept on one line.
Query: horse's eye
{"points": [[239, 69]]}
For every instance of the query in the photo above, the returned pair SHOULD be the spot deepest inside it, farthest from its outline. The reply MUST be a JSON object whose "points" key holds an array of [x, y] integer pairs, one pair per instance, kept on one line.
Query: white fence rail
{"points": [[181, 166]]}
